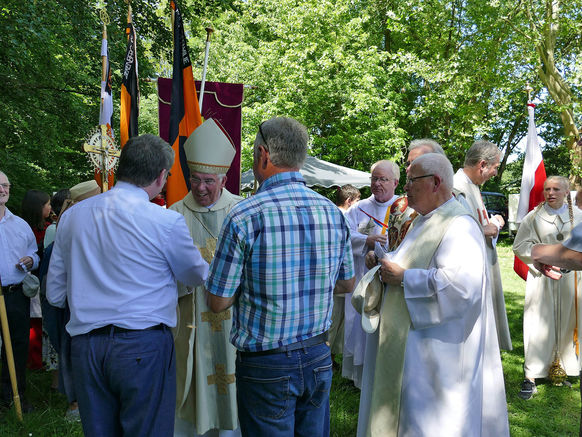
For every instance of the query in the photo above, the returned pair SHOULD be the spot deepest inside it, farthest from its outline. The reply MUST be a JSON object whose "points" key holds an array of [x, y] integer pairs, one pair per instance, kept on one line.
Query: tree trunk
{"points": [[556, 85]]}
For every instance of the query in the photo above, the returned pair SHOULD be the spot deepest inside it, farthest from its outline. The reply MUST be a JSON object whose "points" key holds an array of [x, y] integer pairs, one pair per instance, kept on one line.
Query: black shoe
{"points": [[528, 389]]}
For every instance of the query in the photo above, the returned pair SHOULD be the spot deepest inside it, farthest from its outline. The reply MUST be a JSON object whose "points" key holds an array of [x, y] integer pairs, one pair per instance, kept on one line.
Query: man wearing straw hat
{"points": [[205, 359], [116, 259], [18, 256]]}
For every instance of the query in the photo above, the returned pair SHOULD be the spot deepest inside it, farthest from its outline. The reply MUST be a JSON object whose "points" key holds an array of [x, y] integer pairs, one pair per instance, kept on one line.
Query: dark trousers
{"points": [[125, 383], [18, 310]]}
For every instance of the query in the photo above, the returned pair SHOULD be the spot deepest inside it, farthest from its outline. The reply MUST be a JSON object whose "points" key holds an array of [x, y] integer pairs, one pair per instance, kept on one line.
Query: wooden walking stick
{"points": [[9, 354]]}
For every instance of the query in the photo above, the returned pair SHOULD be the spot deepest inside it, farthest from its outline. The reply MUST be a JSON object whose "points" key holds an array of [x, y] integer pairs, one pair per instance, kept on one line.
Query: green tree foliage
{"points": [[50, 73], [365, 77]]}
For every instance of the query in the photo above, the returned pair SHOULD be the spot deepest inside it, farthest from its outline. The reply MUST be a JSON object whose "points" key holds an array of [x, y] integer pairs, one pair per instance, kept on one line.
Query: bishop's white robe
{"points": [[354, 336], [452, 382], [542, 225], [463, 186], [205, 358]]}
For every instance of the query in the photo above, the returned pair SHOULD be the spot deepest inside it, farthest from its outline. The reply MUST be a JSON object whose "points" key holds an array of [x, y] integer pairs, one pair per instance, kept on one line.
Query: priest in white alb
{"points": [[481, 164], [431, 376], [365, 220]]}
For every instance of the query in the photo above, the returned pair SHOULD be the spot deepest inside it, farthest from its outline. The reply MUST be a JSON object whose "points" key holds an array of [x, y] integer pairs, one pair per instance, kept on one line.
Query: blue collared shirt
{"points": [[16, 241], [282, 250], [116, 259]]}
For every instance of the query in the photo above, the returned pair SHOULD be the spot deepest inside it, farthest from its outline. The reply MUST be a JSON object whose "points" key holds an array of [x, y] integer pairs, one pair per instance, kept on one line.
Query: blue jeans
{"points": [[284, 394], [125, 383]]}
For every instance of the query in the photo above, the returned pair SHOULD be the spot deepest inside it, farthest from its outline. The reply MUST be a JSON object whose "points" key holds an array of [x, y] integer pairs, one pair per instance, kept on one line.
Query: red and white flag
{"points": [[532, 181]]}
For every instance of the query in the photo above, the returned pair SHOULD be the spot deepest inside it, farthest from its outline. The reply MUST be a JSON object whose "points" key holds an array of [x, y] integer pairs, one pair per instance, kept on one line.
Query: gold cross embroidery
{"points": [[215, 319], [207, 251], [220, 378]]}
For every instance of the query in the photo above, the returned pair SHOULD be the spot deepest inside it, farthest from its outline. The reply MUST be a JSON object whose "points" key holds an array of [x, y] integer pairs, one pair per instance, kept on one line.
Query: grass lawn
{"points": [[554, 411]]}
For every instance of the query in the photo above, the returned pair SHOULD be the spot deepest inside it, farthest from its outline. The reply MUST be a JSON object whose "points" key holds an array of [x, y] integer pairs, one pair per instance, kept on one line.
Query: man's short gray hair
{"points": [[438, 165], [286, 141], [388, 165], [143, 158], [426, 142], [481, 151]]}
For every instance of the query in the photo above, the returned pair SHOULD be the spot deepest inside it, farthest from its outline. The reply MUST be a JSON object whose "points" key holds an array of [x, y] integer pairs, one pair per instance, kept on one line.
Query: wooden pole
{"points": [[104, 172], [9, 354]]}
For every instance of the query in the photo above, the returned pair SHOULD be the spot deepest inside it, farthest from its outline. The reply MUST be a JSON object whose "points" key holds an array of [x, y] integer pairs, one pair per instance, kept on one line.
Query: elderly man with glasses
{"points": [[365, 219], [206, 395], [431, 376], [18, 255]]}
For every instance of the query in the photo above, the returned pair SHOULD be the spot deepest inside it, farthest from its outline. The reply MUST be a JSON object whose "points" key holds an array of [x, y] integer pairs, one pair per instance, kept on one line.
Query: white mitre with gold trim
{"points": [[209, 149]]}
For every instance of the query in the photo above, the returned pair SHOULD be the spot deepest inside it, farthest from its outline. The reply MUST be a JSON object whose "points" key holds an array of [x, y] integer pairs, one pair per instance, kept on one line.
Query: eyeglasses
{"points": [[411, 180], [263, 135], [5, 186], [381, 180], [196, 181]]}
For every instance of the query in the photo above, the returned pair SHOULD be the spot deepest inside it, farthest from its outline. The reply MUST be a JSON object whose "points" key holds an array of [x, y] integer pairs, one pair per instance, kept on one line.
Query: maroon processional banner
{"points": [[223, 102]]}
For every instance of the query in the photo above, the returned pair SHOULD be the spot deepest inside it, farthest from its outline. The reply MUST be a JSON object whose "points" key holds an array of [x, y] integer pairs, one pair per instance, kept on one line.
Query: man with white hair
{"points": [[18, 256], [481, 164], [401, 214], [365, 219], [206, 392], [420, 147], [429, 374]]}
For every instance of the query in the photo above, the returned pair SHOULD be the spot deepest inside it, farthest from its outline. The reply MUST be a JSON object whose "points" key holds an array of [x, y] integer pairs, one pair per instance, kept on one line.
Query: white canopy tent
{"points": [[320, 173]]}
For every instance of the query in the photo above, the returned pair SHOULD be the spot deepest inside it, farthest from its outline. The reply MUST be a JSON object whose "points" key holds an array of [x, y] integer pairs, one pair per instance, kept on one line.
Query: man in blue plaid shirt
{"points": [[279, 256]]}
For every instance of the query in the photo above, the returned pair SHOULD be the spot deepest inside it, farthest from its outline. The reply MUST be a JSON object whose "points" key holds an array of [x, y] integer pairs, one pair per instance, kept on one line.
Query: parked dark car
{"points": [[496, 203]]}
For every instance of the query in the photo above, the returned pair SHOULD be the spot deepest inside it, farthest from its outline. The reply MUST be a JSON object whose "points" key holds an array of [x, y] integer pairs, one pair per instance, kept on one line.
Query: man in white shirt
{"points": [[364, 219], [116, 259], [18, 255]]}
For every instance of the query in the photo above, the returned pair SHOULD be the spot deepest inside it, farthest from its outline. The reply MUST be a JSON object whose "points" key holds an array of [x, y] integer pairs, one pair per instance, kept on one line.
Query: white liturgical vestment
{"points": [[361, 225]]}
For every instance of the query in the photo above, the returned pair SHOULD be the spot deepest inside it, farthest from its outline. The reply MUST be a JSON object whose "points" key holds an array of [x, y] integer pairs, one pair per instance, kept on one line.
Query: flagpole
{"points": [[128, 18], [528, 90], [9, 354], [104, 172], [209, 31]]}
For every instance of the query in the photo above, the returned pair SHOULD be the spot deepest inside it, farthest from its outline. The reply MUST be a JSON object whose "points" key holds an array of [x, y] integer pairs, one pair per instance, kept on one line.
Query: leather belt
{"points": [[312, 341], [112, 329], [12, 287]]}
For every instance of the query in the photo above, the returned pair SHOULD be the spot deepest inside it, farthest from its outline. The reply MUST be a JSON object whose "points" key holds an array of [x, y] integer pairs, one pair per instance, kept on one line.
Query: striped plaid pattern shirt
{"points": [[282, 250]]}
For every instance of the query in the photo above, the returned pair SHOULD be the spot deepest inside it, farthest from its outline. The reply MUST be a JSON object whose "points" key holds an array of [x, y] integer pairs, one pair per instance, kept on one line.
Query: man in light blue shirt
{"points": [[115, 260], [17, 256]]}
